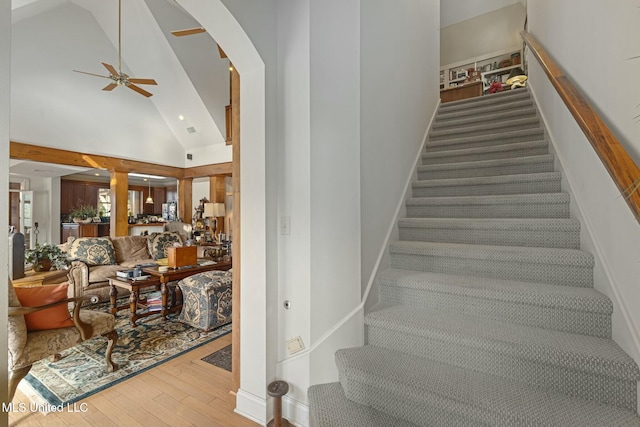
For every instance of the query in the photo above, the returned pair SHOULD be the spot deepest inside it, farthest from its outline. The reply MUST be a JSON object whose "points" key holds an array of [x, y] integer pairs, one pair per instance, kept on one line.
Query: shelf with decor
{"points": [[470, 70], [501, 75]]}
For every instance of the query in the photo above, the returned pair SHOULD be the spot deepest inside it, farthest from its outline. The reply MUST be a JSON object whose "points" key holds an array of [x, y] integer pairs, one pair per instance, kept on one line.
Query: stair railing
{"points": [[623, 170]]}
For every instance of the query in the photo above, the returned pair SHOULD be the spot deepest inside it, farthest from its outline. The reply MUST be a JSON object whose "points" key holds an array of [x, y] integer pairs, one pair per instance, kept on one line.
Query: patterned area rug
{"points": [[81, 371], [220, 358]]}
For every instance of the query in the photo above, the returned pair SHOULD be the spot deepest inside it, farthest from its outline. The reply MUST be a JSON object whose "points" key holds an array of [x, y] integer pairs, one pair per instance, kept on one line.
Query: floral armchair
{"points": [[25, 347]]}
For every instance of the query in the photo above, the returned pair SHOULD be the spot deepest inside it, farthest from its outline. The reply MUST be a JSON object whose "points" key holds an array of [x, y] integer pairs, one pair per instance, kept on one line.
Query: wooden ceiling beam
{"points": [[21, 151], [18, 150], [209, 170]]}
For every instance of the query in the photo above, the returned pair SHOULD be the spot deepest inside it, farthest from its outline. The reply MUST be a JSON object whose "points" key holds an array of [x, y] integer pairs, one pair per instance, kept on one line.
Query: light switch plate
{"points": [[295, 345], [285, 225]]}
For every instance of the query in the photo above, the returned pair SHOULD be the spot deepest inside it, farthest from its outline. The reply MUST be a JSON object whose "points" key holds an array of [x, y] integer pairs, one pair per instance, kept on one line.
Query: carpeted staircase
{"points": [[488, 314]]}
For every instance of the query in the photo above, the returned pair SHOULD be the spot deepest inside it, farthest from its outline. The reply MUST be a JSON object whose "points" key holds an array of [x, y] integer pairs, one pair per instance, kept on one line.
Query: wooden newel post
{"points": [[277, 389]]}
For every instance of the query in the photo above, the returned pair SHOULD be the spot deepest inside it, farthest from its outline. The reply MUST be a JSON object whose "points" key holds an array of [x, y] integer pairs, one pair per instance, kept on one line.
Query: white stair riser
{"points": [[524, 313], [480, 356], [558, 274]]}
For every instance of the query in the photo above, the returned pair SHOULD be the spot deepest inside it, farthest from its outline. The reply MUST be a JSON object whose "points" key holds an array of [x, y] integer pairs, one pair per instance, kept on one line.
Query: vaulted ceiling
{"points": [[55, 107]]}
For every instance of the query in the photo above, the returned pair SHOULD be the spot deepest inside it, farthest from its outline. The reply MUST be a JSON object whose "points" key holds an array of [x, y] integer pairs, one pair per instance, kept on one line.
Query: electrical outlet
{"points": [[285, 225], [295, 345]]}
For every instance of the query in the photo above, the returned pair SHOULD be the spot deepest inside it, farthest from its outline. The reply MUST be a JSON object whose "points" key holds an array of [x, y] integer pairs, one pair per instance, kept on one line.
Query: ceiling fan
{"points": [[117, 77]]}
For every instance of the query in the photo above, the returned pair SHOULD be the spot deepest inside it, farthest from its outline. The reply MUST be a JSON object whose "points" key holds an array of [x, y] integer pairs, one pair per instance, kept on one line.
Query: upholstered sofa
{"points": [[95, 259]]}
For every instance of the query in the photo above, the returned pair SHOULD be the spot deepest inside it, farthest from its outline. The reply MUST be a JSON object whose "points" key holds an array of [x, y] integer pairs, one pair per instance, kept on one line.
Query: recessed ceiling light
{"points": [[231, 68], [96, 174], [181, 117]]}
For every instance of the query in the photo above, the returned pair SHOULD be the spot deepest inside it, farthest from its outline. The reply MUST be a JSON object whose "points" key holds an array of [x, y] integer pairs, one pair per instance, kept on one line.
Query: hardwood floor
{"points": [[182, 392]]}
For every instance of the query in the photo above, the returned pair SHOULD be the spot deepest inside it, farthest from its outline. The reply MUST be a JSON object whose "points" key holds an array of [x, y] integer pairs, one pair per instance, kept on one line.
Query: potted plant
{"points": [[45, 256], [83, 214]]}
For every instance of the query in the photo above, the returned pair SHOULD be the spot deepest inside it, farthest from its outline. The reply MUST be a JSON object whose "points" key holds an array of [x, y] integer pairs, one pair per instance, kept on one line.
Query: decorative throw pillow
{"points": [[49, 318], [93, 251], [159, 242]]}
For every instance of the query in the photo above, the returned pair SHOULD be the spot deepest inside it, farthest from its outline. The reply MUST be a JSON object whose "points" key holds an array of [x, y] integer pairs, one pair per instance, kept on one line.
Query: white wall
{"points": [[199, 189], [251, 51], [596, 61], [498, 30], [454, 11], [5, 106], [399, 62], [294, 185], [335, 157]]}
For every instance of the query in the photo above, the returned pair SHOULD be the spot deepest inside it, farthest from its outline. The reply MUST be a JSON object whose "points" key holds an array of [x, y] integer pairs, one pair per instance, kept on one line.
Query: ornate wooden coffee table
{"points": [[134, 287]]}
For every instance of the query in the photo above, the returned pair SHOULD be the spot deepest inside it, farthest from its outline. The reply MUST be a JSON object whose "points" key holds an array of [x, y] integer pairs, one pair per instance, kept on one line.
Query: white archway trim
{"points": [[223, 27]]}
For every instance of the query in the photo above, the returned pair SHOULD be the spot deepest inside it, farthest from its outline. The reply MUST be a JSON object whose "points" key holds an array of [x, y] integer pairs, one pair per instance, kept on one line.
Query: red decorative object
{"points": [[495, 87]]}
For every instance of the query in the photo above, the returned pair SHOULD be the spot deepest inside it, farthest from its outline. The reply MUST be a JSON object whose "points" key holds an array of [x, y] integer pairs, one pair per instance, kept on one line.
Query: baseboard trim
{"points": [[296, 412], [252, 407]]}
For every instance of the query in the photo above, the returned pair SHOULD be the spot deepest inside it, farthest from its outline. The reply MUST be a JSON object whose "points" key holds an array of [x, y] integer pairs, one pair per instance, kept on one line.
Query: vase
{"points": [[43, 265]]}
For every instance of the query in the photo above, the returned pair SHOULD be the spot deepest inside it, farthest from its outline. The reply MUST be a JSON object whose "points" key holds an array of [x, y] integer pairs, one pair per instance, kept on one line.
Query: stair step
{"points": [[550, 233], [427, 392], [563, 308], [487, 110], [523, 135], [590, 368], [328, 407], [547, 182], [554, 266], [495, 117], [481, 102], [547, 205], [484, 128], [530, 164], [493, 152]]}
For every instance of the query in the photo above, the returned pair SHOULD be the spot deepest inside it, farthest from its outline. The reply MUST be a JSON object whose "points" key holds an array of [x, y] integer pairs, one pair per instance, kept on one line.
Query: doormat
{"points": [[220, 358], [81, 370]]}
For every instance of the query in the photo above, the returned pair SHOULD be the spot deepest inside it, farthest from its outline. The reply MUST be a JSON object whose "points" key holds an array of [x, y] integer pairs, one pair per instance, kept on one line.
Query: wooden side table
{"points": [[134, 287], [39, 278]]}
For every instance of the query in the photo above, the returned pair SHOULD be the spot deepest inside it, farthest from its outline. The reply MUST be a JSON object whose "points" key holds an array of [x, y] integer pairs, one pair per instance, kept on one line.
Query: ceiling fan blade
{"points": [[188, 32], [91, 74], [139, 90], [143, 81], [110, 86], [111, 69]]}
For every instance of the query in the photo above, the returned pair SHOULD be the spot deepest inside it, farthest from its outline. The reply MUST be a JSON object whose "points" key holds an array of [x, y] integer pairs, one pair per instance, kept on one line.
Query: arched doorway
{"points": [[228, 33]]}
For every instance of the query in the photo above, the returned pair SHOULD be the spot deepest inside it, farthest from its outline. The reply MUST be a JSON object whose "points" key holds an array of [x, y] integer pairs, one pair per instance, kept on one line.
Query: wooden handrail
{"points": [[623, 170]]}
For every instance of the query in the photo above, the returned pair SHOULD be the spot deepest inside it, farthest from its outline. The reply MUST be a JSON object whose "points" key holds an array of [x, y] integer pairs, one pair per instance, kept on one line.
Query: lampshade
{"points": [[516, 76], [208, 210], [218, 209], [214, 210]]}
